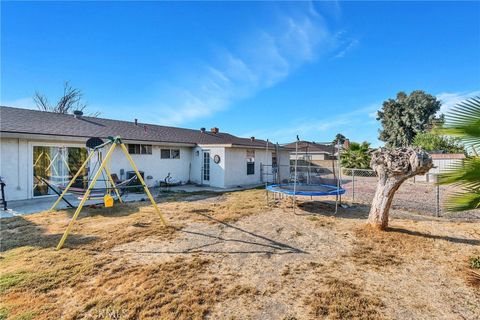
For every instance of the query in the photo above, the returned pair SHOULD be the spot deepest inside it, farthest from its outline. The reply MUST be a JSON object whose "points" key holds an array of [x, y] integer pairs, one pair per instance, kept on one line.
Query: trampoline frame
{"points": [[336, 191], [278, 189]]}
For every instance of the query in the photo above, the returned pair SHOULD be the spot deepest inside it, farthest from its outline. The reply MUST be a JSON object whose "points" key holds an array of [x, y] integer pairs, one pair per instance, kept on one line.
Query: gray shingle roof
{"points": [[306, 146], [16, 120]]}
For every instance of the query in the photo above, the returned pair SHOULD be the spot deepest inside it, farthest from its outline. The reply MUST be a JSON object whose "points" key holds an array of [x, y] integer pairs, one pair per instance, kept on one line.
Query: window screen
{"points": [[175, 153], [165, 153], [140, 148]]}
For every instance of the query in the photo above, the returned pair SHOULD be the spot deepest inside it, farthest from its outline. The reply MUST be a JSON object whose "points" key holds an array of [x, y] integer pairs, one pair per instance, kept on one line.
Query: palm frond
{"points": [[463, 121], [465, 174], [462, 201]]}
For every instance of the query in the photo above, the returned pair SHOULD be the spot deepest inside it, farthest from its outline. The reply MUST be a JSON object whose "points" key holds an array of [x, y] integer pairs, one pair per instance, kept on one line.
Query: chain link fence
{"points": [[416, 196]]}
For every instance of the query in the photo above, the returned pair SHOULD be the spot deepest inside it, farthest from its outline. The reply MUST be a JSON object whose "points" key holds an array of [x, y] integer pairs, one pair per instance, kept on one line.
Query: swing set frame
{"points": [[113, 142]]}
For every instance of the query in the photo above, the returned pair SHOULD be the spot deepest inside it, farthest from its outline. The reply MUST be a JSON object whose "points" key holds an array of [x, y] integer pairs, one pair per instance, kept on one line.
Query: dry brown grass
{"points": [[35, 278], [343, 270], [343, 300], [228, 207], [473, 278], [101, 287], [95, 229]]}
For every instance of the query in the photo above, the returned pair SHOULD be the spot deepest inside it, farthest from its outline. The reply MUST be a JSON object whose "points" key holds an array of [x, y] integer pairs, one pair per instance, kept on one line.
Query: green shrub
{"points": [[475, 262]]}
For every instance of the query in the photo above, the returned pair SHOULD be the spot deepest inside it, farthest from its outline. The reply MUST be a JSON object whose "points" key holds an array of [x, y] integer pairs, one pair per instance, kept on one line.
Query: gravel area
{"points": [[417, 197]]}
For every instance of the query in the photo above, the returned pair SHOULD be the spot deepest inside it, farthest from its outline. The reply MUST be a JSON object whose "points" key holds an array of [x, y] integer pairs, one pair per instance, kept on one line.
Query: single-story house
{"points": [[50, 145]]}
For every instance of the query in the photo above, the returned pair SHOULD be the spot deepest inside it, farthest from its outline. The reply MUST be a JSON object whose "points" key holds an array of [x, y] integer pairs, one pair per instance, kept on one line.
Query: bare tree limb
{"points": [[41, 101], [71, 100]]}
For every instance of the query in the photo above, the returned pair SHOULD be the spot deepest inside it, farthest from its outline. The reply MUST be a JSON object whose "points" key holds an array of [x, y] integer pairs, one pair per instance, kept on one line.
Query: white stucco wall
{"points": [[14, 168], [283, 161], [236, 164], [16, 165], [217, 171], [153, 165]]}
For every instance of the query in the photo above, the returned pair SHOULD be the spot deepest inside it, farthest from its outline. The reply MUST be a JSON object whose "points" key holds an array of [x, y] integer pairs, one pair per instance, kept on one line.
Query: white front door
{"points": [[206, 168]]}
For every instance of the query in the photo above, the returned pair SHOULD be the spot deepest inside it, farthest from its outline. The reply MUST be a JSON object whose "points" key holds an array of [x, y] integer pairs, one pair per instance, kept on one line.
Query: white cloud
{"points": [[25, 103], [265, 57], [449, 100], [350, 45]]}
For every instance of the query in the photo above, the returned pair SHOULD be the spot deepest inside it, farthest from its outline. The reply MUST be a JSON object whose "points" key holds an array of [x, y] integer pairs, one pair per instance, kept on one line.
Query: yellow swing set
{"points": [[108, 200]]}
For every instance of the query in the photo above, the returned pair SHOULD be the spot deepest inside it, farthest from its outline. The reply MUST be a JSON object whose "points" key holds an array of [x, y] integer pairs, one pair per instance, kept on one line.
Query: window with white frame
{"points": [[139, 148], [170, 153]]}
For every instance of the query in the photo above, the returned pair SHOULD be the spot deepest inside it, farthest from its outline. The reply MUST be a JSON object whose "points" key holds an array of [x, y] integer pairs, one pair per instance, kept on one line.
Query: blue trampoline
{"points": [[302, 189], [306, 176]]}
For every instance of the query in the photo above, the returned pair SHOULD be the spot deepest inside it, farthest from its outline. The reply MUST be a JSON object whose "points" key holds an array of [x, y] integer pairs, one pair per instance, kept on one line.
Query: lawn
{"points": [[230, 256]]}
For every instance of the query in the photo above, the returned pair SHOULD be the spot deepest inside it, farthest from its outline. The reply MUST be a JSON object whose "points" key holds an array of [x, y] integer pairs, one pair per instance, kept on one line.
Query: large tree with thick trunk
{"points": [[393, 167]]}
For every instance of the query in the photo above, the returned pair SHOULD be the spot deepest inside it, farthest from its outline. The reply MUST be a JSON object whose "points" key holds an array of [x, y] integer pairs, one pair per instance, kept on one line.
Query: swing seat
{"points": [[108, 201]]}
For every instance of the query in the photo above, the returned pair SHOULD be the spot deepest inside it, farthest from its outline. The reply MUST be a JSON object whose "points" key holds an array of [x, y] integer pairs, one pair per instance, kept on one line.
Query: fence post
{"points": [[353, 186], [437, 196], [261, 172]]}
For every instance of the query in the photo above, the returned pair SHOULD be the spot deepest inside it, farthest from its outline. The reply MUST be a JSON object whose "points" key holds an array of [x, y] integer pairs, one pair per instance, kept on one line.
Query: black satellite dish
{"points": [[94, 142]]}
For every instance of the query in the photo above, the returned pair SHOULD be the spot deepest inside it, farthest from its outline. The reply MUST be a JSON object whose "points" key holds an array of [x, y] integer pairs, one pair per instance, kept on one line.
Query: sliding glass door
{"points": [[56, 166]]}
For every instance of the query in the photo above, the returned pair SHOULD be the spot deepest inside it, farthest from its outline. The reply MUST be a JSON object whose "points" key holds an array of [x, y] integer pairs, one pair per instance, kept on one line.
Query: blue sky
{"points": [[268, 69]]}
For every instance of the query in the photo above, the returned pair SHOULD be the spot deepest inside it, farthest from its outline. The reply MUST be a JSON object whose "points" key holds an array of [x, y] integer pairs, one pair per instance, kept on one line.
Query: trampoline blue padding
{"points": [[302, 189]]}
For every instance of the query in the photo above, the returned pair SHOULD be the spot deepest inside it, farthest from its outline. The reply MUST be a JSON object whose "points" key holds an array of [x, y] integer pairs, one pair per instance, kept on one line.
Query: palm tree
{"points": [[356, 156], [463, 122]]}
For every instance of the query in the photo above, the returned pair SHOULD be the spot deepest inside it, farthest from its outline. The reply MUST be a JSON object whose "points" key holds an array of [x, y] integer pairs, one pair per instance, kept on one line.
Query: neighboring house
{"points": [[441, 163], [51, 145], [312, 153]]}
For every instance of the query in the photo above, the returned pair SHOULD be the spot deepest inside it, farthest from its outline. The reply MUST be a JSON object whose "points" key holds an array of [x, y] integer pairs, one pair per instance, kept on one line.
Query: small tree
{"points": [[71, 100], [339, 138], [402, 118], [356, 156], [393, 167], [430, 141]]}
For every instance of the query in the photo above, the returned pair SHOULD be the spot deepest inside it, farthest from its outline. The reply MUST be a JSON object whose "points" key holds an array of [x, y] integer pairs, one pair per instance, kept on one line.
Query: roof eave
{"points": [[57, 137]]}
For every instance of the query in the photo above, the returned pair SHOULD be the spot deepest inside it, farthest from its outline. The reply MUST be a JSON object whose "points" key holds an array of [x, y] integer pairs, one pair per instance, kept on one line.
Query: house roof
{"points": [[35, 122], [313, 147]]}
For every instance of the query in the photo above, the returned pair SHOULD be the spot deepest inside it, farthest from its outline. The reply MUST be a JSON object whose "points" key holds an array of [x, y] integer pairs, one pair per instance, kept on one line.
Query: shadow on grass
{"points": [[269, 242], [472, 242], [327, 208], [118, 210], [18, 232], [172, 196], [260, 244]]}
